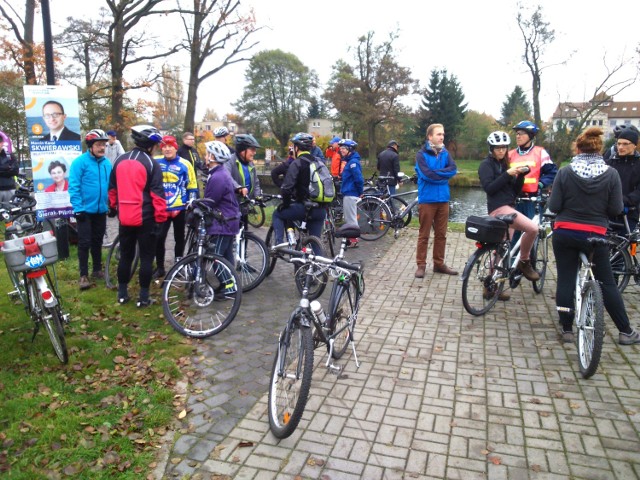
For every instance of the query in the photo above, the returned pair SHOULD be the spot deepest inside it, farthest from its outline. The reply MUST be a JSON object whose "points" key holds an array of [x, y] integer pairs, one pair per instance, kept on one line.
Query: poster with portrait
{"points": [[53, 125]]}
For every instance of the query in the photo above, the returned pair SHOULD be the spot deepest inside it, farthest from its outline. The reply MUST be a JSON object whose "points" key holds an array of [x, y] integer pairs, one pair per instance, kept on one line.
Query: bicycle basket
{"points": [[485, 229], [31, 252]]}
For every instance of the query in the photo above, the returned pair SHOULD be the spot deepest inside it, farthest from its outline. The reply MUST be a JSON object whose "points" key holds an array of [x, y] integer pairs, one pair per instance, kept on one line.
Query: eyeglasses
{"points": [[519, 134], [624, 144], [49, 116], [501, 147]]}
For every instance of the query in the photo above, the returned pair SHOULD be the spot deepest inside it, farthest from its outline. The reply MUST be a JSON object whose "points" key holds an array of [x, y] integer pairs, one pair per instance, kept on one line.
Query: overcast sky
{"points": [[478, 42]]}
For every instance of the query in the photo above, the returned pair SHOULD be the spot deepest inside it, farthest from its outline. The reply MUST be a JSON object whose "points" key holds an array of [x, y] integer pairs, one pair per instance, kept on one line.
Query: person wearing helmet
{"points": [[88, 191], [180, 186], [389, 164], [542, 170], [503, 184], [9, 168], [136, 195], [434, 167], [221, 134], [114, 147], [220, 189], [352, 184], [333, 157], [243, 170], [626, 161], [617, 130], [295, 191]]}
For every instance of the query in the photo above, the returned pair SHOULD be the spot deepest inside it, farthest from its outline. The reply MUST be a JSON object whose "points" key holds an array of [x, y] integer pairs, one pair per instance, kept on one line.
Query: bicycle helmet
{"points": [[221, 132], [244, 141], [145, 136], [302, 140], [618, 129], [95, 135], [529, 127], [218, 150], [348, 144], [498, 139]]}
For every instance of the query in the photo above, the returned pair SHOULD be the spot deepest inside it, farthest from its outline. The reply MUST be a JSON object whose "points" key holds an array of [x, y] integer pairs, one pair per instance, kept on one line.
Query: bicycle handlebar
{"points": [[306, 257]]}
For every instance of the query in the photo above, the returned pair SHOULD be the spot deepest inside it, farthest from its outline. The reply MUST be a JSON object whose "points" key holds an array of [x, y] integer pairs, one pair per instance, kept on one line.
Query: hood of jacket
{"points": [[587, 171]]}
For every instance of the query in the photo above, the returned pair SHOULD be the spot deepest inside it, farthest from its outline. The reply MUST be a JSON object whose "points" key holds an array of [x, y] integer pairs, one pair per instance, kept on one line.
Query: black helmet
{"points": [[244, 141], [145, 136], [618, 129], [302, 140]]}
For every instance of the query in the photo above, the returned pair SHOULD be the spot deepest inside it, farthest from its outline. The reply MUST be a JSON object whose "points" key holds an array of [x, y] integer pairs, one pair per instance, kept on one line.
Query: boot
{"points": [[527, 270], [503, 296]]}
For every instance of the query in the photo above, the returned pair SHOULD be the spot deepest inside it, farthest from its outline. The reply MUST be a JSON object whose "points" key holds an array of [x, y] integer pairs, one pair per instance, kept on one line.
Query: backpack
{"points": [[321, 186]]}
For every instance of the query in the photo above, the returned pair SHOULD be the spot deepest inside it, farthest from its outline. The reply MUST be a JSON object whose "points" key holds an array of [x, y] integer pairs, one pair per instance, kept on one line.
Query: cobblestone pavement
{"points": [[439, 394]]}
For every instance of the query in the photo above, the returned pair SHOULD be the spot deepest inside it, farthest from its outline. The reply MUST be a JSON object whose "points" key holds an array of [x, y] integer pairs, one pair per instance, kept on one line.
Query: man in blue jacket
{"points": [[434, 167], [88, 190]]}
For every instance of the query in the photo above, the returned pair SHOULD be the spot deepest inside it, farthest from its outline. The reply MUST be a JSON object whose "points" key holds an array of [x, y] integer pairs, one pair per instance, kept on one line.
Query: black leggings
{"points": [[178, 235], [145, 237]]}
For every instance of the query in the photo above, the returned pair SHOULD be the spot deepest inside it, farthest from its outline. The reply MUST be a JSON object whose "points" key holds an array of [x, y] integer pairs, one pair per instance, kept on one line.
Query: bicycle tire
{"points": [[320, 277], [329, 235], [112, 261], [374, 218], [539, 260], [194, 310], [256, 216], [590, 331], [483, 281], [252, 269], [51, 318], [398, 206], [621, 262], [341, 311], [270, 241], [289, 388]]}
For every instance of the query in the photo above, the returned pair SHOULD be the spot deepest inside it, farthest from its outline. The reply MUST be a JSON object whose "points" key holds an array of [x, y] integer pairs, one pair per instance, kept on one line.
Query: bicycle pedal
{"points": [[335, 369]]}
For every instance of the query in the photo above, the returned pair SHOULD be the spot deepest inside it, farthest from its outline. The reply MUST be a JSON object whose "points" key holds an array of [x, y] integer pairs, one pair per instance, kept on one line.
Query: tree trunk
{"points": [[371, 133], [27, 46], [117, 90], [536, 100]]}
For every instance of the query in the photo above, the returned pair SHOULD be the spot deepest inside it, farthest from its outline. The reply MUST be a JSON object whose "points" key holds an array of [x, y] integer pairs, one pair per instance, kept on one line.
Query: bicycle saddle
{"points": [[348, 231], [507, 218]]}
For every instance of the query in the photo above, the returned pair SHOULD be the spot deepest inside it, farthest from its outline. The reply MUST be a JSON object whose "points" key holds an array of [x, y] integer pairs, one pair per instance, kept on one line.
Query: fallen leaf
{"points": [[495, 460], [182, 414]]}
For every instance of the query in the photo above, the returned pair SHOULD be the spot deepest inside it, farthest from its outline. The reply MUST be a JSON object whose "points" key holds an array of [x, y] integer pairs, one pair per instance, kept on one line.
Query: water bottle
{"points": [[291, 237], [316, 308]]}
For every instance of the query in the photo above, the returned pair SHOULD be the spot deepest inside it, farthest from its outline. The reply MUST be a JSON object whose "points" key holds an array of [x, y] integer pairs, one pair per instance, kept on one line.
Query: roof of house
{"points": [[608, 107]]}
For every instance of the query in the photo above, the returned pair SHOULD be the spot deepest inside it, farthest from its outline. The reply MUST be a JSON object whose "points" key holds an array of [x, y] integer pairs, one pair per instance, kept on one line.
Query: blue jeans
{"points": [[297, 211]]}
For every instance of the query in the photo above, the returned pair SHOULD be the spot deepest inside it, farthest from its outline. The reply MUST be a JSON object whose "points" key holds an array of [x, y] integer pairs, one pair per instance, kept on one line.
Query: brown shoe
{"points": [[527, 270], [84, 283], [420, 272], [98, 275], [503, 297], [444, 269]]}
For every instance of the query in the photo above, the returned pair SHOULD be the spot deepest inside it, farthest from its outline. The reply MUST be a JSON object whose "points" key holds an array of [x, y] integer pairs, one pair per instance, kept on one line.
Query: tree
{"points": [[169, 112], [443, 103], [276, 93], [210, 115], [476, 127], [515, 108], [24, 53], [214, 27], [369, 93], [317, 108]]}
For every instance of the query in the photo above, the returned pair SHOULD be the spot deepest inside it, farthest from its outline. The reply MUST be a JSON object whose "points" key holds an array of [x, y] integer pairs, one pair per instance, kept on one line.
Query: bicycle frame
{"points": [[584, 273]]}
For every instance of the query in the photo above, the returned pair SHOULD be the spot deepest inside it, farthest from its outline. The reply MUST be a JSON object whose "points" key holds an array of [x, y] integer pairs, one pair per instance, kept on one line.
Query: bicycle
{"points": [[378, 186], [255, 213], [539, 254], [31, 257], [252, 254], [622, 254], [307, 328], [201, 293], [112, 261]]}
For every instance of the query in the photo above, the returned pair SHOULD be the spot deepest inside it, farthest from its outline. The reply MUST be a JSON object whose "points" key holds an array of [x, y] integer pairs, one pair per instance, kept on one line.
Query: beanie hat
{"points": [[112, 133], [629, 134], [169, 140]]}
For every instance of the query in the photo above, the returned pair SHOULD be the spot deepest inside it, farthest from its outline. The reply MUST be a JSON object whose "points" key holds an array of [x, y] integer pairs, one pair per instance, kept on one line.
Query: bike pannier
{"points": [[485, 229]]}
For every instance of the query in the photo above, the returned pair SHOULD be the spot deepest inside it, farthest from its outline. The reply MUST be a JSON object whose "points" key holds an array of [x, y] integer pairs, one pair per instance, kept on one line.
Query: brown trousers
{"points": [[436, 215]]}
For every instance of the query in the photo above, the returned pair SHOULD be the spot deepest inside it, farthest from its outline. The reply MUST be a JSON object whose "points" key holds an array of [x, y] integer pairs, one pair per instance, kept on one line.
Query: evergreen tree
{"points": [[515, 108]]}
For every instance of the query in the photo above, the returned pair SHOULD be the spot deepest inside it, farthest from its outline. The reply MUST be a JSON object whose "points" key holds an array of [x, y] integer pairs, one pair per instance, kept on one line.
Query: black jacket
{"points": [[9, 168], [500, 187], [389, 164], [295, 187]]}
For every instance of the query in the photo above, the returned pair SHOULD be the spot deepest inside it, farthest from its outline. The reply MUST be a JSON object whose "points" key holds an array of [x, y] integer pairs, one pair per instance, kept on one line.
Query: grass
{"points": [[103, 414]]}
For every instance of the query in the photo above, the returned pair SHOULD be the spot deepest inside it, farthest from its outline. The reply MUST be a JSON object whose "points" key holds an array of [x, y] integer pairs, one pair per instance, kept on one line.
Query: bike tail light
{"points": [[46, 295]]}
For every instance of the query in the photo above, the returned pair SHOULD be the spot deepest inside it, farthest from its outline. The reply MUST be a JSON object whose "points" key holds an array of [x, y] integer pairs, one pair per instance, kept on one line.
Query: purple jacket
{"points": [[220, 189]]}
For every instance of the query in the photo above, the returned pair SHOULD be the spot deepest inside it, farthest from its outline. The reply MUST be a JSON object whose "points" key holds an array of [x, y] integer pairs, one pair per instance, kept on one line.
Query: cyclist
{"points": [[9, 168], [180, 186], [617, 130], [626, 161], [136, 195], [243, 170], [88, 192], [585, 194], [502, 185], [333, 156], [221, 134], [389, 164], [352, 184], [295, 191], [542, 170]]}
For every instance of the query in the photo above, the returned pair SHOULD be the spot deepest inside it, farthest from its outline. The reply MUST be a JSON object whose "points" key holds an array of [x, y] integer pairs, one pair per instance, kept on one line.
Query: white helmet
{"points": [[498, 139], [221, 132], [218, 150]]}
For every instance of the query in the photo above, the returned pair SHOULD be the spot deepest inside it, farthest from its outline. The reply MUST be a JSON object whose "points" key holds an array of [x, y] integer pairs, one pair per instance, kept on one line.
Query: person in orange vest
{"points": [[334, 158], [542, 170]]}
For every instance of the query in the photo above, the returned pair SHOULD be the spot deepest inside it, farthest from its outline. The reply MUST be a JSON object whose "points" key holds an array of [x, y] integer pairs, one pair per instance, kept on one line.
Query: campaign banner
{"points": [[53, 126]]}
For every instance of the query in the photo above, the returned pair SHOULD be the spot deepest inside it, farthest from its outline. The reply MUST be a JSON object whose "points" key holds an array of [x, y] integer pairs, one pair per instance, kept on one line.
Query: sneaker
{"points": [[98, 275], [568, 337], [352, 243], [527, 270], [629, 338], [145, 303], [123, 300], [84, 283]]}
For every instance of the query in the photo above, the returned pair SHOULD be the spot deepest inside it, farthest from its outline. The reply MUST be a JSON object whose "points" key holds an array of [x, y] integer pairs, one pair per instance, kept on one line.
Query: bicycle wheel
{"points": [[329, 235], [621, 262], [112, 261], [341, 313], [374, 218], [270, 241], [539, 259], [51, 318], [483, 281], [256, 216], [200, 298], [252, 267], [398, 206], [590, 328], [320, 274], [290, 379]]}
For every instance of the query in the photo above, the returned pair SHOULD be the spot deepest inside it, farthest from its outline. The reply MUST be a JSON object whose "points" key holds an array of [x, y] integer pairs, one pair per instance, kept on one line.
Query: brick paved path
{"points": [[439, 394]]}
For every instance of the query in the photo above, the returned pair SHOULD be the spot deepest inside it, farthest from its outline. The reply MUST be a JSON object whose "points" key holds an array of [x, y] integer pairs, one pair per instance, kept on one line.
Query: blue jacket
{"points": [[352, 179], [89, 183], [434, 171]]}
